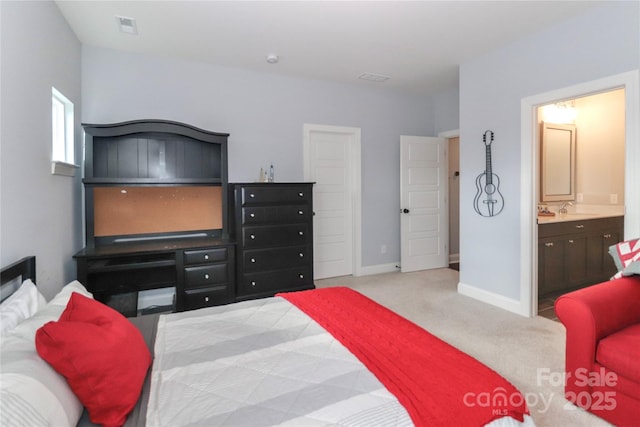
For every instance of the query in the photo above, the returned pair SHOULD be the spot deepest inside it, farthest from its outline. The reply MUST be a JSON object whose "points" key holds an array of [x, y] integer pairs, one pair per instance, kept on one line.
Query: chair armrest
{"points": [[592, 313]]}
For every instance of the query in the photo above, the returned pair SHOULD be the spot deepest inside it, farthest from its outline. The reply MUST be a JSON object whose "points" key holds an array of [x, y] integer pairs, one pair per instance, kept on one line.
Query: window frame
{"points": [[62, 135]]}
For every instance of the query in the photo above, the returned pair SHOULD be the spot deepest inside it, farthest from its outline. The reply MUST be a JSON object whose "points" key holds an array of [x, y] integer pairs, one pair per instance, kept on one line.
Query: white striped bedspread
{"points": [[264, 363]]}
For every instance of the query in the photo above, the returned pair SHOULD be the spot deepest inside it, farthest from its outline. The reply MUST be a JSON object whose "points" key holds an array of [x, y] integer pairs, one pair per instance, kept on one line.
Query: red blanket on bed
{"points": [[437, 383]]}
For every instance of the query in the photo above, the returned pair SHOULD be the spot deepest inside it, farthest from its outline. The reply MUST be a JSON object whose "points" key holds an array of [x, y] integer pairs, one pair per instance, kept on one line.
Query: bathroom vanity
{"points": [[573, 250]]}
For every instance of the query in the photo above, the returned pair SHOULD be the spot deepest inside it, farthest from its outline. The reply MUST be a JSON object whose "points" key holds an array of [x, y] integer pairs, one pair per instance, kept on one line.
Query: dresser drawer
{"points": [[273, 259], [250, 195], [275, 281], [206, 297], [205, 275], [271, 236], [275, 214], [202, 256]]}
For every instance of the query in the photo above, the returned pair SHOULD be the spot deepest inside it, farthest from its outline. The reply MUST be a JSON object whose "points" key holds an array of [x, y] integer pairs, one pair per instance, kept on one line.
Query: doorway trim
{"points": [[356, 172], [529, 159]]}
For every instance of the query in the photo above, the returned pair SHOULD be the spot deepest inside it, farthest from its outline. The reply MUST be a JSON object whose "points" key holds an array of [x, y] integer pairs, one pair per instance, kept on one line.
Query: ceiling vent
{"points": [[127, 25], [378, 78]]}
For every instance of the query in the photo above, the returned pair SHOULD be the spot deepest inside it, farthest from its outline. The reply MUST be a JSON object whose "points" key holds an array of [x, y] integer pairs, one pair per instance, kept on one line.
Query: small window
{"points": [[62, 146]]}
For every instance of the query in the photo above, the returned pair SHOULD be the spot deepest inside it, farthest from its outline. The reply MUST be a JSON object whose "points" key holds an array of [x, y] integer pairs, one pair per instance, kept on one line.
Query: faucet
{"points": [[563, 208]]}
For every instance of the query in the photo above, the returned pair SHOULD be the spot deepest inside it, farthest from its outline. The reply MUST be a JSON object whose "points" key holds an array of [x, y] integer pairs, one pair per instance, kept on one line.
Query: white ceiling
{"points": [[419, 44]]}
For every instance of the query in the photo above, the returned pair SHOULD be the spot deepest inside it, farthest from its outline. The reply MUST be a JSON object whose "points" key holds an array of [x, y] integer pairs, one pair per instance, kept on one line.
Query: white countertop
{"points": [[574, 216]]}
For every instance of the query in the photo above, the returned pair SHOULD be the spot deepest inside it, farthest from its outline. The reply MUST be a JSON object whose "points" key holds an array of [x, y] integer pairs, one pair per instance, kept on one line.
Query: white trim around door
{"points": [[630, 81]]}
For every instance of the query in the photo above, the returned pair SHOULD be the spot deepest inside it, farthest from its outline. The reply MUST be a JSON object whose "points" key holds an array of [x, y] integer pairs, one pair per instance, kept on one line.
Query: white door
{"points": [[423, 203], [332, 162]]}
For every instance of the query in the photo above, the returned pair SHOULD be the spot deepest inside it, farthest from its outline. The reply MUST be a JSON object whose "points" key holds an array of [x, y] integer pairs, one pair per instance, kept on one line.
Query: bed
{"points": [[321, 357]]}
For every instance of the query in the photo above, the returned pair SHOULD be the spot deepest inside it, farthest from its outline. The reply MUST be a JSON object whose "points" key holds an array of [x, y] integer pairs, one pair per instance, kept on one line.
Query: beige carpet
{"points": [[525, 351]]}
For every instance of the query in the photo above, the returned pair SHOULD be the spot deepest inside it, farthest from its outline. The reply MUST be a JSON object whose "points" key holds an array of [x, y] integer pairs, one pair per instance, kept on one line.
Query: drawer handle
{"points": [[301, 255], [301, 194], [206, 276], [252, 215], [253, 237], [253, 260], [300, 212], [253, 283], [300, 233], [607, 236], [252, 195], [206, 299], [550, 244], [580, 226], [570, 240], [206, 256]]}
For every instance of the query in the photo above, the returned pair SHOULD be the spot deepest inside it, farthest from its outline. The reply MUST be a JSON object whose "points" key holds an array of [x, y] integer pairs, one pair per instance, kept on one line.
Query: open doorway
{"points": [[630, 81], [581, 142]]}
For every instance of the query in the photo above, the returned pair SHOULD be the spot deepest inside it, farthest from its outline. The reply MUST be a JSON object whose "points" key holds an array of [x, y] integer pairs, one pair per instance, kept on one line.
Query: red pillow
{"points": [[101, 354]]}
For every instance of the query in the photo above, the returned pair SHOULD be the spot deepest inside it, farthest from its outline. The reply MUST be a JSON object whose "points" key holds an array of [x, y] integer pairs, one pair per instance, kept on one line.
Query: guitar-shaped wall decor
{"points": [[488, 200]]}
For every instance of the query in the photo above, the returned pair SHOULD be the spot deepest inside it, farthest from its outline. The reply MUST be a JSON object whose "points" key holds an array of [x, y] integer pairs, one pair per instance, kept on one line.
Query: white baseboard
{"points": [[497, 300], [379, 269]]}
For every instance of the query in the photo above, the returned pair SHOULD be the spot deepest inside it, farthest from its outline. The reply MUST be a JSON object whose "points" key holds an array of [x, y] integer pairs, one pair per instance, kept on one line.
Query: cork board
{"points": [[140, 210]]}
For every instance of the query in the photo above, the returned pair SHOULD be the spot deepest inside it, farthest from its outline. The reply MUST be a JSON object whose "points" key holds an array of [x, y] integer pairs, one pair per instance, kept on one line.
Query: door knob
{"points": [[405, 210]]}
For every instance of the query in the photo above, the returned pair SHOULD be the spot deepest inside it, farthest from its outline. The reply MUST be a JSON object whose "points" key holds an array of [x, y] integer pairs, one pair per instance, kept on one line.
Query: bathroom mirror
{"points": [[558, 162]]}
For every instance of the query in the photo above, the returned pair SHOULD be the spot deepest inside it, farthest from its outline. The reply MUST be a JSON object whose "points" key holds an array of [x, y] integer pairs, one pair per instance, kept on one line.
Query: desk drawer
{"points": [[206, 297], [202, 256], [205, 275]]}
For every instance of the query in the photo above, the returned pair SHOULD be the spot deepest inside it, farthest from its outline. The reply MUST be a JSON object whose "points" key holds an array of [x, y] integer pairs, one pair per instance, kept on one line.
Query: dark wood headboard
{"points": [[23, 269]]}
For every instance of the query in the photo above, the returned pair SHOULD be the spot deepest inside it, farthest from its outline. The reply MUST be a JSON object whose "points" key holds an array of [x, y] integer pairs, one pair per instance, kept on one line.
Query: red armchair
{"points": [[603, 349]]}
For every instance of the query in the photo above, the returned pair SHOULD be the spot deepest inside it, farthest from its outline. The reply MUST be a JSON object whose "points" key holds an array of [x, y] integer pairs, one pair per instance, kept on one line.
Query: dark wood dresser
{"points": [[273, 226]]}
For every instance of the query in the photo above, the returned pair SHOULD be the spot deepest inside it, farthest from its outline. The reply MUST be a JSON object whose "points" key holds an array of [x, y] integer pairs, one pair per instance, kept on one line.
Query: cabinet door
{"points": [[551, 265], [601, 265], [576, 258]]}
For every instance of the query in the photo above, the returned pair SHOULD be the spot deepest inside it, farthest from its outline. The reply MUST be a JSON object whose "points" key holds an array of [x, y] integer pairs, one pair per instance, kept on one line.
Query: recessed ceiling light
{"points": [[127, 25], [378, 78], [273, 58]]}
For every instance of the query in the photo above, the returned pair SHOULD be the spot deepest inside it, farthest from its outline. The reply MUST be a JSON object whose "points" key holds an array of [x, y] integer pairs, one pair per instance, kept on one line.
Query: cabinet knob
{"points": [[607, 236], [206, 276], [570, 240], [253, 237], [206, 256], [300, 212], [301, 255], [206, 299], [252, 195], [580, 226], [300, 233], [253, 283], [301, 194], [252, 215], [549, 244], [301, 276], [253, 260]]}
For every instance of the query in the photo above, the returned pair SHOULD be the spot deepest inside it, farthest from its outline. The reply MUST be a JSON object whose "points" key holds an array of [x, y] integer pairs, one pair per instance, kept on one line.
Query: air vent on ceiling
{"points": [[127, 25], [379, 78]]}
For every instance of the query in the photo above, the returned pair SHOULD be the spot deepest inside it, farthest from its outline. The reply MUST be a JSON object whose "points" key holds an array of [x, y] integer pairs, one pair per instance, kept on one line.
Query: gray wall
{"points": [[39, 211], [265, 114], [599, 43]]}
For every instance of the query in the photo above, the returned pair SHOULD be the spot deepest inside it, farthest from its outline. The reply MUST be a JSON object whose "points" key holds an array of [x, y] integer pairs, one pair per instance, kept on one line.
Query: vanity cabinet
{"points": [[272, 223], [574, 254]]}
